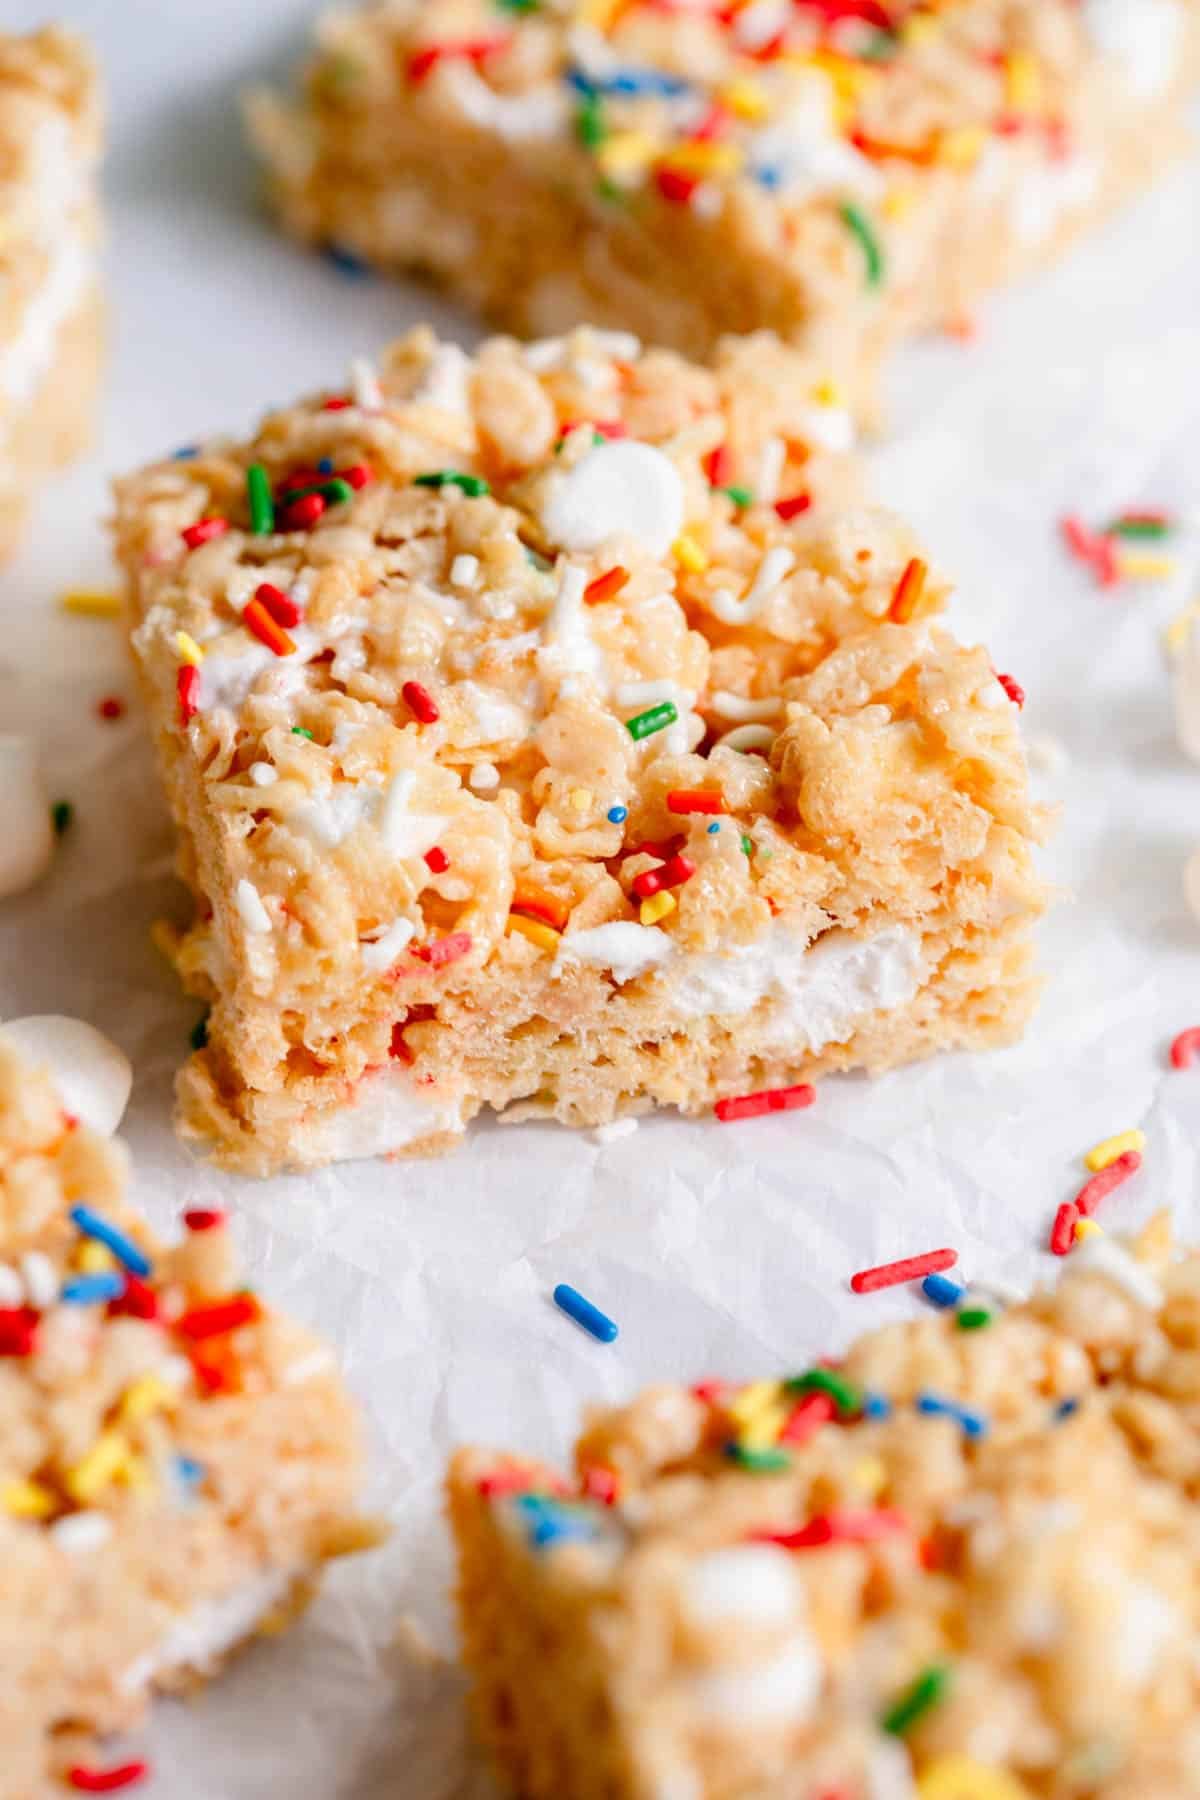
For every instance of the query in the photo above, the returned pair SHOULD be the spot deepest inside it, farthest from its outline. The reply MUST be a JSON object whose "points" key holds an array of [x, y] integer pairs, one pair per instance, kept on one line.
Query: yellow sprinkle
{"points": [[744, 98], [145, 1396], [94, 603], [656, 908], [751, 1400], [135, 1473], [898, 202], [1022, 81], [189, 650], [1086, 1228], [25, 1499], [625, 154], [1141, 565], [961, 1778], [686, 550], [828, 393], [544, 936], [919, 31], [99, 1467], [703, 158], [1178, 631], [962, 149], [601, 13], [1100, 1155], [92, 1258], [870, 1475], [581, 799], [762, 1433]]}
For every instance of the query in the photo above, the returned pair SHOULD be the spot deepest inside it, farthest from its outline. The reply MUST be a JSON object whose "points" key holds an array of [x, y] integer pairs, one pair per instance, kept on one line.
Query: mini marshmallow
{"points": [[624, 489], [92, 1075], [26, 829]]}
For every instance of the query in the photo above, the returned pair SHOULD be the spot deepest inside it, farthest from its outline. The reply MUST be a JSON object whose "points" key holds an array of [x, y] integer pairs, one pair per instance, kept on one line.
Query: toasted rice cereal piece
{"points": [[683, 171], [978, 1580], [51, 328], [575, 741], [177, 1460]]}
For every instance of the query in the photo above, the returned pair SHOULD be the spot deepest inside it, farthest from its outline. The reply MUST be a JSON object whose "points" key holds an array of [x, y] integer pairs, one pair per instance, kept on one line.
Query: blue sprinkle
{"points": [[89, 1290], [325, 466], [768, 177], [941, 1290], [188, 1473], [715, 826], [876, 1406], [346, 262], [547, 1522], [1065, 1408], [572, 1302], [617, 815], [93, 1225], [185, 453], [628, 81], [974, 1424]]}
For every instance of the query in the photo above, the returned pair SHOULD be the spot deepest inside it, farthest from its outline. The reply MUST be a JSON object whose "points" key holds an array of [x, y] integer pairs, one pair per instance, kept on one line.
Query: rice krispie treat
{"points": [[960, 1564], [50, 315], [536, 745], [837, 173], [176, 1459]]}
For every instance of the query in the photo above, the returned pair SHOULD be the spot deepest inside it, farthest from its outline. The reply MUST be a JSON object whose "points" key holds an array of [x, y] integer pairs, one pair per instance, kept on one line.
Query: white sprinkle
{"points": [[616, 1128], [381, 952], [536, 113], [828, 427], [772, 570], [407, 833], [12, 1288], [622, 489], [544, 354], [364, 384], [464, 571], [264, 774], [746, 738], [41, 1279], [622, 346], [80, 1532], [771, 465], [1106, 1257], [444, 383], [317, 1362], [249, 902], [733, 706], [567, 632], [484, 778]]}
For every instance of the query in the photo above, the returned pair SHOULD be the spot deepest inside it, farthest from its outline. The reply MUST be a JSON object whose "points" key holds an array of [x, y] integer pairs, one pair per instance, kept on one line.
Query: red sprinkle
{"points": [[301, 514], [1111, 1176], [137, 1300], [335, 403], [420, 702], [258, 620], [675, 186], [437, 860], [1013, 689], [203, 1218], [909, 591], [753, 1106], [849, 1525], [601, 1484], [1186, 1048], [718, 466], [1091, 547], [909, 1268], [423, 62], [358, 475], [444, 950], [111, 707], [107, 1781], [203, 531], [505, 1481], [672, 874], [807, 1417], [606, 585], [18, 1327], [695, 800], [792, 507], [281, 606], [187, 687], [1063, 1234], [215, 1321]]}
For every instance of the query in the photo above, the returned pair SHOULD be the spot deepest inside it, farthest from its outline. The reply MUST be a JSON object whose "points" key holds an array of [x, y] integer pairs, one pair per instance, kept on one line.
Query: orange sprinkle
{"points": [[540, 903], [258, 620], [909, 589], [606, 585]]}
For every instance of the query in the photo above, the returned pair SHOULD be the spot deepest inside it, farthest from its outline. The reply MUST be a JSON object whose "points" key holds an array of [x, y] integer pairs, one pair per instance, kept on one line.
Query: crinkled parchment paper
{"points": [[718, 1249]]}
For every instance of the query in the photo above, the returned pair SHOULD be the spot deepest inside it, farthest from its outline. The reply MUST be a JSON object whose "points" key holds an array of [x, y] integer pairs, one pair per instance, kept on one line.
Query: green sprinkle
{"points": [[881, 48], [915, 1701], [747, 845], [262, 507], [61, 814], [739, 495], [302, 731], [590, 128], [537, 559], [1139, 528], [763, 1462], [857, 221], [335, 492], [647, 723], [972, 1318], [440, 478], [199, 1035], [844, 1394], [518, 6]]}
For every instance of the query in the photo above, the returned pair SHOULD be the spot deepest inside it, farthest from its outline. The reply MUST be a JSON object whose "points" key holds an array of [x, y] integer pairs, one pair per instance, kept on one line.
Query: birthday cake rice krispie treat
{"points": [[837, 173], [959, 1564], [536, 744], [177, 1460], [50, 321]]}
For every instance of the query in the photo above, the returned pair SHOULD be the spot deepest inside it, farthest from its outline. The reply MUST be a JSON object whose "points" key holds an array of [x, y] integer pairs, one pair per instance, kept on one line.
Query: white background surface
{"points": [[718, 1249]]}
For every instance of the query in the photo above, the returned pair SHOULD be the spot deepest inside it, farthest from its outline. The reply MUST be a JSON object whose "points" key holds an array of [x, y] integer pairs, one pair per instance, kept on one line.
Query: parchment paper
{"points": [[718, 1249]]}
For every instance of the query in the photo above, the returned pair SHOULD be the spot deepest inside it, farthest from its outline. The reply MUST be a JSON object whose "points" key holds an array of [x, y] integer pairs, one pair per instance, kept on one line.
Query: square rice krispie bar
{"points": [[839, 173], [177, 1460], [959, 1564], [537, 744], [50, 314]]}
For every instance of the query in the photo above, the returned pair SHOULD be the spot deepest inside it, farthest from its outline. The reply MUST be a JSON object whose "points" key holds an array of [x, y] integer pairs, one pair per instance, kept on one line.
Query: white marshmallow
{"points": [[93, 1077], [617, 490], [26, 830]]}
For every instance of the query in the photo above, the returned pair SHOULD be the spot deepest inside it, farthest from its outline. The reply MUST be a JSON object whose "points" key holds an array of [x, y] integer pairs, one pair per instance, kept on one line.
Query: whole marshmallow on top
{"points": [[26, 830], [617, 490], [92, 1076]]}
